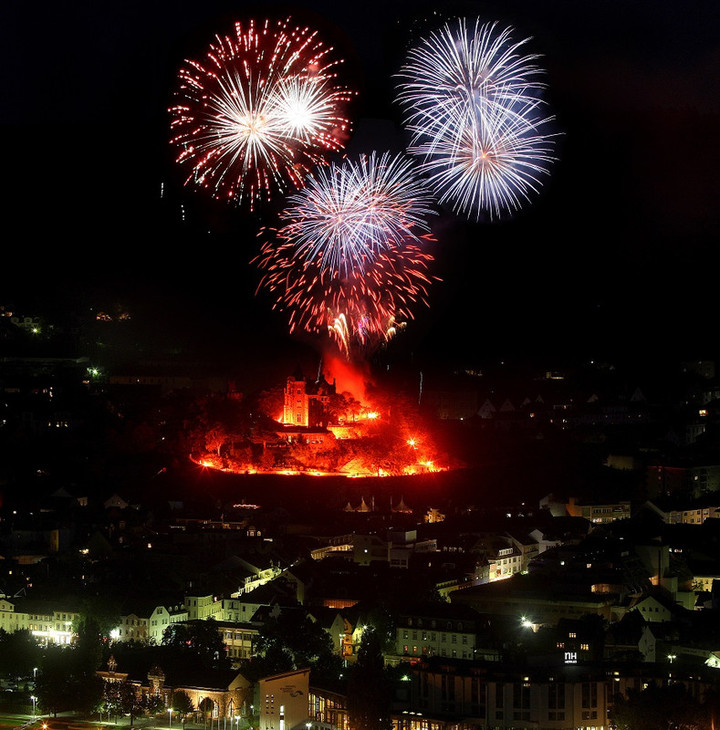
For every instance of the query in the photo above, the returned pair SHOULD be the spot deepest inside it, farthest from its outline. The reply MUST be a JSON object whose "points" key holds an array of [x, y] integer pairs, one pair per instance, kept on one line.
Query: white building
{"points": [[284, 703]]}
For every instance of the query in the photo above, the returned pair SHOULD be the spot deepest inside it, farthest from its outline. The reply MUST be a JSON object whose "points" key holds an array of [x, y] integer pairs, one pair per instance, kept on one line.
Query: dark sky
{"points": [[618, 253]]}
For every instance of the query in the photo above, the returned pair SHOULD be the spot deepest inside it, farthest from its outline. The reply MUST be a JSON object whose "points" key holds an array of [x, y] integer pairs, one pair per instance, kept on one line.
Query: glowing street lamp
{"points": [[170, 712], [34, 701]]}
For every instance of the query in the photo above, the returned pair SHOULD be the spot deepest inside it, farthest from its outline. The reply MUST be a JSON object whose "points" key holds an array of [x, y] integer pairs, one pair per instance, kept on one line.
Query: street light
{"points": [[34, 701], [170, 711]]}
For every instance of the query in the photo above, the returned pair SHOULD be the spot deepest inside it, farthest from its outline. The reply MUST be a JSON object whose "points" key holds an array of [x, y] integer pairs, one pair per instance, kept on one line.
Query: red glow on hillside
{"points": [[334, 425], [349, 378]]}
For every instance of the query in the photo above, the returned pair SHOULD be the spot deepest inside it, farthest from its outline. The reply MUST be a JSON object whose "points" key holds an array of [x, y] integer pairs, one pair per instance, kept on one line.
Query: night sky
{"points": [[617, 256]]}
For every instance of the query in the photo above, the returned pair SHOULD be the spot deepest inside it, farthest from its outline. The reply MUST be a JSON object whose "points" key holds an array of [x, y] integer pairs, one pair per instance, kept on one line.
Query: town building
{"points": [[146, 621], [598, 512], [445, 630], [50, 622], [283, 700]]}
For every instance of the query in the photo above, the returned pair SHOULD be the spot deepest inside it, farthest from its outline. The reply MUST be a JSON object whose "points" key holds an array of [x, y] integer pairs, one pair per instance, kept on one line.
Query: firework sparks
{"points": [[262, 108], [350, 258], [463, 67], [472, 105], [493, 166]]}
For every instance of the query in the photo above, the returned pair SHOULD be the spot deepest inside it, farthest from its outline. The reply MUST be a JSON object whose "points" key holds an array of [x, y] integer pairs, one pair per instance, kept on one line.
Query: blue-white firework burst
{"points": [[473, 107]]}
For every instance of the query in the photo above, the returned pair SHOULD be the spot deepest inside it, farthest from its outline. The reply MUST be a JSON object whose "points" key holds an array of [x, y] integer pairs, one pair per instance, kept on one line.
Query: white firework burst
{"points": [[495, 163], [472, 105], [348, 213]]}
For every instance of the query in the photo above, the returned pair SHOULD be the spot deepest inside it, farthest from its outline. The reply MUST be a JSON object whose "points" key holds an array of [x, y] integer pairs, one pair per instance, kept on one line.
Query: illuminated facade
{"points": [[443, 630], [239, 639], [306, 404], [47, 622], [327, 710], [284, 700], [149, 624], [599, 513], [230, 698]]}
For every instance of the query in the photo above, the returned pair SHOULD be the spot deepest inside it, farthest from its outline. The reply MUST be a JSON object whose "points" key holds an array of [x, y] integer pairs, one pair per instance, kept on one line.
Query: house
{"points": [[657, 607], [239, 638], [201, 606], [146, 621], [436, 630], [335, 624], [630, 640]]}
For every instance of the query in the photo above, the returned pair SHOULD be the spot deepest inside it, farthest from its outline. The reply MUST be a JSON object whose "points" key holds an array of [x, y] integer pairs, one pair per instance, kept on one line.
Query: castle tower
{"points": [[296, 408]]}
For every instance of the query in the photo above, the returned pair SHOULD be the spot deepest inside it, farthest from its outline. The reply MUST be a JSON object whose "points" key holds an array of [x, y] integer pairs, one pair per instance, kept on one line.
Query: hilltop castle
{"points": [[307, 403]]}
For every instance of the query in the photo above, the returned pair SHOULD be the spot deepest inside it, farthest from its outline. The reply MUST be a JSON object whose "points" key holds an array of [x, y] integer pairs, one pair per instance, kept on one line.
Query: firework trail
{"points": [[350, 259], [472, 105], [258, 111]]}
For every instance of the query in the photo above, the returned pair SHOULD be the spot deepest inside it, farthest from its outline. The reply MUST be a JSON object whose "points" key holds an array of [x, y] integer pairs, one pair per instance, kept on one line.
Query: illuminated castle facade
{"points": [[307, 404]]}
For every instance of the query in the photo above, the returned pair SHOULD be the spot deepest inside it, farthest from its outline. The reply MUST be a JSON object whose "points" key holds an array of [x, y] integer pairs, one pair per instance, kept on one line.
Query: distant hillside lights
{"points": [[31, 324], [119, 316]]}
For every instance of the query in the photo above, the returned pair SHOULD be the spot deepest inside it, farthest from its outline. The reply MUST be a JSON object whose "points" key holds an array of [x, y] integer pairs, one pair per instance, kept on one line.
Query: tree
{"points": [[66, 678], [270, 402], [670, 707], [153, 704], [181, 703], [123, 698], [54, 682], [369, 689], [88, 694], [199, 640], [379, 618], [88, 649], [295, 636], [19, 655], [100, 614]]}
